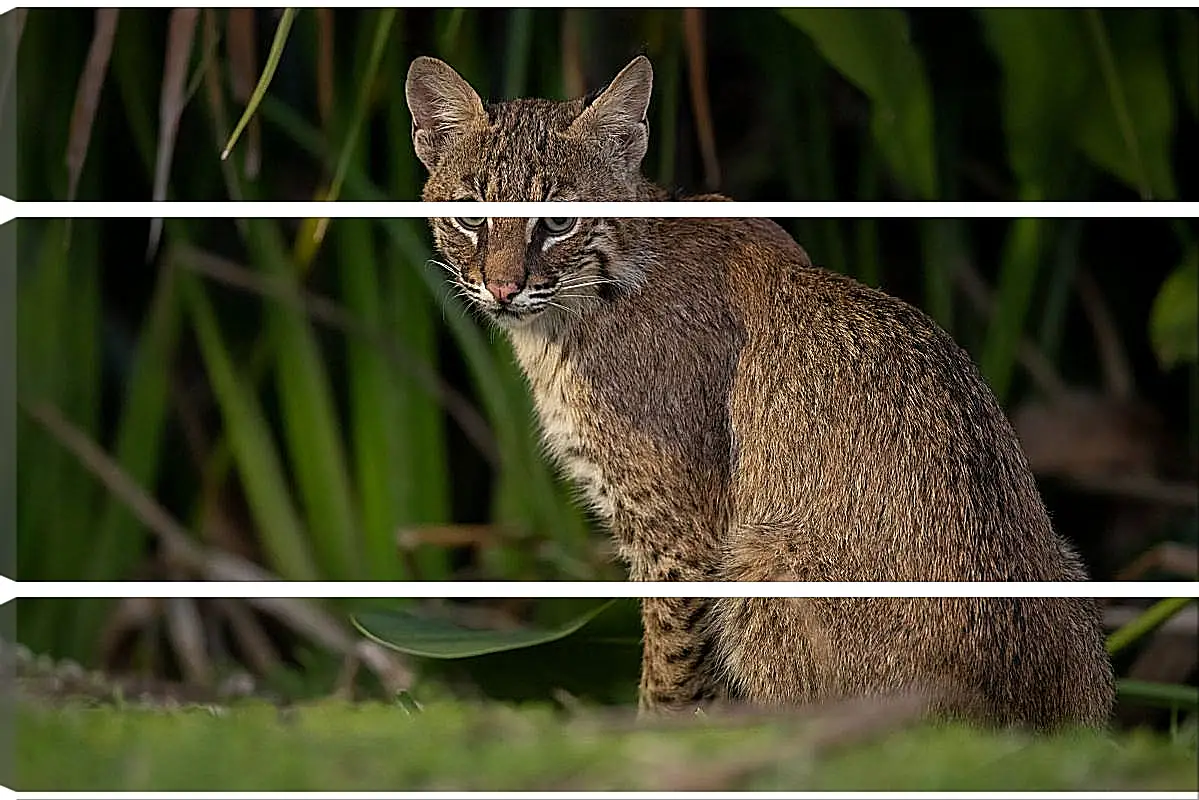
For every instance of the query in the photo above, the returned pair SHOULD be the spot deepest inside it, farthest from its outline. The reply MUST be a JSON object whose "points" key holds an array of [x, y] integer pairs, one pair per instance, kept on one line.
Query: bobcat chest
{"points": [[570, 425]]}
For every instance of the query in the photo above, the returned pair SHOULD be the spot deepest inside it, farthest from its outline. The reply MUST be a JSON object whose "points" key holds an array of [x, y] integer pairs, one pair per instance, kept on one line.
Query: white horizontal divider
{"points": [[598, 589], [10, 209]]}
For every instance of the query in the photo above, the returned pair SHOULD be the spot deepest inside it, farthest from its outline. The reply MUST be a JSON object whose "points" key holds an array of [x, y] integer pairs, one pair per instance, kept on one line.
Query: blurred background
{"points": [[228, 399]]}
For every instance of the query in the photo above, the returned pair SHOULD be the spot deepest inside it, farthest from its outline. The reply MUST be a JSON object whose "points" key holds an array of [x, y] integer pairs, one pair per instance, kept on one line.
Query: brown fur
{"points": [[736, 413]]}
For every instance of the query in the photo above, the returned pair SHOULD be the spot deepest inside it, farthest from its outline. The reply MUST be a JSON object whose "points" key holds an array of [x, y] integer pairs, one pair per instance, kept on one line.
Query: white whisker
{"points": [[586, 276], [565, 308], [465, 295], [586, 280], [585, 285], [452, 270]]}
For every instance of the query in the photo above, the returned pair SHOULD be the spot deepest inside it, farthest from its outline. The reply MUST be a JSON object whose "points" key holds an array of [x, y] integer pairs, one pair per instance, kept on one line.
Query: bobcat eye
{"points": [[558, 224], [470, 223]]}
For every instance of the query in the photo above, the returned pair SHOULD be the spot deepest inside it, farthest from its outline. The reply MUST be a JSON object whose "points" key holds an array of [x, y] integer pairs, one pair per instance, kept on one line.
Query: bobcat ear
{"points": [[618, 114], [443, 107]]}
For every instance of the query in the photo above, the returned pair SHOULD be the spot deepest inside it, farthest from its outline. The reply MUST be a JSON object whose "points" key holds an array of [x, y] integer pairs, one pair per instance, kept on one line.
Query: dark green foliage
{"points": [[305, 394]]}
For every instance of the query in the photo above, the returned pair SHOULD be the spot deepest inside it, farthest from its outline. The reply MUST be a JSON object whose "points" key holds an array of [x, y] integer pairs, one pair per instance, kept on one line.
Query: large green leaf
{"points": [[872, 49], [1076, 80], [1174, 321], [1128, 122], [419, 635], [1043, 56]]}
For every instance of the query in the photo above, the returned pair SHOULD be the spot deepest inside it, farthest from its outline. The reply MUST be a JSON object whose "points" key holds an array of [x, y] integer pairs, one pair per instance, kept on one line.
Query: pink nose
{"points": [[503, 291]]}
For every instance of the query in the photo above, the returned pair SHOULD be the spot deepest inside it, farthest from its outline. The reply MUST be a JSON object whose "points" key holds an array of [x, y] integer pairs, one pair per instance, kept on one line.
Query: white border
{"points": [[10, 209], [597, 795], [596, 589]]}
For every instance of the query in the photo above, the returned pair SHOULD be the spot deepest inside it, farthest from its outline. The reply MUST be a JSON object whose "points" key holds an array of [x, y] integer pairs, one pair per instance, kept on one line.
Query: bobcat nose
{"points": [[503, 291]]}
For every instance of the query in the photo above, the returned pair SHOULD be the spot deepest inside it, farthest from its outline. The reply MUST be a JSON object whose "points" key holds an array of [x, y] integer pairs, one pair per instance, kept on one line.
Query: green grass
{"points": [[454, 747]]}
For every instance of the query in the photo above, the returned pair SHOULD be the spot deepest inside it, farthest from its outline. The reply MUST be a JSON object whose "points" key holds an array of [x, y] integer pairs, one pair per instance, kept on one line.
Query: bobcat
{"points": [[735, 413]]}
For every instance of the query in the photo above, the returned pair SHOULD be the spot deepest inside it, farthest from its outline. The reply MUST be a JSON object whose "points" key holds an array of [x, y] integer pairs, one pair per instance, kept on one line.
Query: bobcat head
{"points": [[523, 270]]}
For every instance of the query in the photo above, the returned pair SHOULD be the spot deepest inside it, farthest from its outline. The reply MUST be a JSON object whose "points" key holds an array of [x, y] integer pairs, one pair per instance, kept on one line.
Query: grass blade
{"points": [[312, 232], [1018, 275], [1153, 617], [1162, 695], [573, 84], [666, 85], [312, 433], [693, 38], [87, 95], [324, 64], [180, 35], [253, 448], [516, 64], [388, 479], [940, 244], [268, 72], [240, 35], [59, 364]]}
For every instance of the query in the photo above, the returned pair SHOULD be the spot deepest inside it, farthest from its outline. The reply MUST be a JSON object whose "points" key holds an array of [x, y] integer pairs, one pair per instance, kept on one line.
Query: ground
{"points": [[333, 745]]}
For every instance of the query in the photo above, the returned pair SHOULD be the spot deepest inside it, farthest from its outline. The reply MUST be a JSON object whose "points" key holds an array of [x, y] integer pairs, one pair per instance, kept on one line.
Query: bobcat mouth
{"points": [[511, 312], [526, 305], [508, 312]]}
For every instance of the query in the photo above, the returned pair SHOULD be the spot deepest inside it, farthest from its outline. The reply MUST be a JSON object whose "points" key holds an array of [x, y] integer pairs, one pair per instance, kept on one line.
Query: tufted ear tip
{"points": [[642, 67], [633, 86], [625, 100], [443, 106], [427, 61]]}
